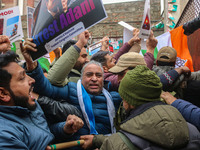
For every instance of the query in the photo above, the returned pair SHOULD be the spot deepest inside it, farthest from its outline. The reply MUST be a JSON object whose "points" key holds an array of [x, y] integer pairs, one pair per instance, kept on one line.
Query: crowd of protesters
{"points": [[121, 101]]}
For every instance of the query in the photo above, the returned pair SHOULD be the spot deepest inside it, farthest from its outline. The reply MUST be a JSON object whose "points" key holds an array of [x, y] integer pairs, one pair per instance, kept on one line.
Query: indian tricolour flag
{"points": [[178, 40]]}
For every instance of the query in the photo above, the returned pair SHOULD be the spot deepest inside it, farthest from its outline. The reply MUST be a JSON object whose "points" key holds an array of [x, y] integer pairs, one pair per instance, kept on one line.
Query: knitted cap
{"points": [[167, 54], [140, 86], [130, 59]]}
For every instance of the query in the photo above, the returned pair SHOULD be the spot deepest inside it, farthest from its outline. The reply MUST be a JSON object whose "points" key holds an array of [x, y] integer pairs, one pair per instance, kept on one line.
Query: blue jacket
{"points": [[69, 92], [21, 128], [190, 112]]}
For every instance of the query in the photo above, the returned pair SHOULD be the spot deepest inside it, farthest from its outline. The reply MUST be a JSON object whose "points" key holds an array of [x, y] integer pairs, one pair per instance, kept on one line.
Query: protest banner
{"points": [[146, 23], [10, 23], [128, 31], [115, 45], [94, 48], [56, 22]]}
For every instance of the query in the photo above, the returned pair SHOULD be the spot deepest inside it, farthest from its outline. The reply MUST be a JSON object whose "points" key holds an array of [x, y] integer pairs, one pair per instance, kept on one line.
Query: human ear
{"points": [[105, 69], [4, 95]]}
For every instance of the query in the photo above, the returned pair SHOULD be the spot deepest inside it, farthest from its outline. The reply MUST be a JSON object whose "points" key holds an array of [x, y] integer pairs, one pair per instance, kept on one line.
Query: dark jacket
{"points": [[21, 128], [153, 126], [57, 111], [190, 112], [69, 93], [185, 87]]}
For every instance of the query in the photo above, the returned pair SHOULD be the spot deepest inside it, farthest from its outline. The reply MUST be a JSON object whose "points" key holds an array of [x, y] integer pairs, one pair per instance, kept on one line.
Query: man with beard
{"points": [[96, 104], [68, 67], [22, 122]]}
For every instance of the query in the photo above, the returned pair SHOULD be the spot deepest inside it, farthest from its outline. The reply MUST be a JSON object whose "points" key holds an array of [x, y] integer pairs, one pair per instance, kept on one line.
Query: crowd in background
{"points": [[112, 101]]}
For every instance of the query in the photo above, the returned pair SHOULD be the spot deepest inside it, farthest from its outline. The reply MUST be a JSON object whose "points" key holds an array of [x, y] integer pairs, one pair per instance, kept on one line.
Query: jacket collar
{"points": [[142, 108]]}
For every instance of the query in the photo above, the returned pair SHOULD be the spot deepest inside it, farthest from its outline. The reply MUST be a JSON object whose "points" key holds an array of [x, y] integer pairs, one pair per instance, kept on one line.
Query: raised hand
{"points": [[4, 44], [151, 43], [25, 48]]}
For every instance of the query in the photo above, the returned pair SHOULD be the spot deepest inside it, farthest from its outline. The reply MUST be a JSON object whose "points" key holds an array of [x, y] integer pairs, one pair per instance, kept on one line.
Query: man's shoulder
{"points": [[115, 94], [9, 127]]}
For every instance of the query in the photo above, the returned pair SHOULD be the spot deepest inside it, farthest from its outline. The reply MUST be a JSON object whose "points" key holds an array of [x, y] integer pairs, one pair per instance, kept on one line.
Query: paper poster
{"points": [[128, 31], [126, 25], [30, 12], [10, 23], [146, 22], [57, 21], [115, 45], [94, 48]]}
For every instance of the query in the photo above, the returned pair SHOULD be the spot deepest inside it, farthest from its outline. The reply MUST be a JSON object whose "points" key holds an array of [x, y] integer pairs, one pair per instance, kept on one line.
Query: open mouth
{"points": [[93, 86], [31, 92]]}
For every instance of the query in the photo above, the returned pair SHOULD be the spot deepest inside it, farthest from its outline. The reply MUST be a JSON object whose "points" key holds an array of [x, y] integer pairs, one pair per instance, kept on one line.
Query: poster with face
{"points": [[57, 21], [10, 23], [146, 22]]}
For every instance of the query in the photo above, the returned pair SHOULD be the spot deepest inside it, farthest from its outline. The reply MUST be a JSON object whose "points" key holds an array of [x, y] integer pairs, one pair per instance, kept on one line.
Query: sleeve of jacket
{"points": [[57, 111], [42, 85], [190, 112], [124, 49], [57, 130], [149, 59], [113, 142], [98, 140], [57, 75], [168, 78], [10, 140], [114, 82], [195, 76]]}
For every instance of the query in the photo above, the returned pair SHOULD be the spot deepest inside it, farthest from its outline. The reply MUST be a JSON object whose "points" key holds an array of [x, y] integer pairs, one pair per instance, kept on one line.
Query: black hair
{"points": [[5, 76], [100, 57], [68, 44]]}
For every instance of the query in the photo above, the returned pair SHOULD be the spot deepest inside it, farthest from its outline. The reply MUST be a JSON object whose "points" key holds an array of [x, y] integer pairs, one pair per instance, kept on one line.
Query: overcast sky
{"points": [[118, 1]]}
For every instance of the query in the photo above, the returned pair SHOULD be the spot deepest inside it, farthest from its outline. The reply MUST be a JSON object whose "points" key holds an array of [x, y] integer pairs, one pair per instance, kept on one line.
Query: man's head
{"points": [[139, 86], [64, 5], [15, 85], [53, 5], [127, 62], [105, 59], [82, 60], [166, 56], [92, 77]]}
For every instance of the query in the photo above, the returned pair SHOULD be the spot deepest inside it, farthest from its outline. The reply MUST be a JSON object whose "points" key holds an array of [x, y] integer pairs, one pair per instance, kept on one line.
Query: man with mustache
{"points": [[22, 121], [97, 104]]}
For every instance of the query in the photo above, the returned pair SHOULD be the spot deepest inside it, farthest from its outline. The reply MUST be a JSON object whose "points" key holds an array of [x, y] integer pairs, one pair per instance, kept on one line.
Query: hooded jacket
{"points": [[153, 126]]}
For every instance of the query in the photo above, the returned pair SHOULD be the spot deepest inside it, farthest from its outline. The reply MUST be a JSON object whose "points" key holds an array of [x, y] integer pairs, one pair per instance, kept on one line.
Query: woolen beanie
{"points": [[140, 86]]}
